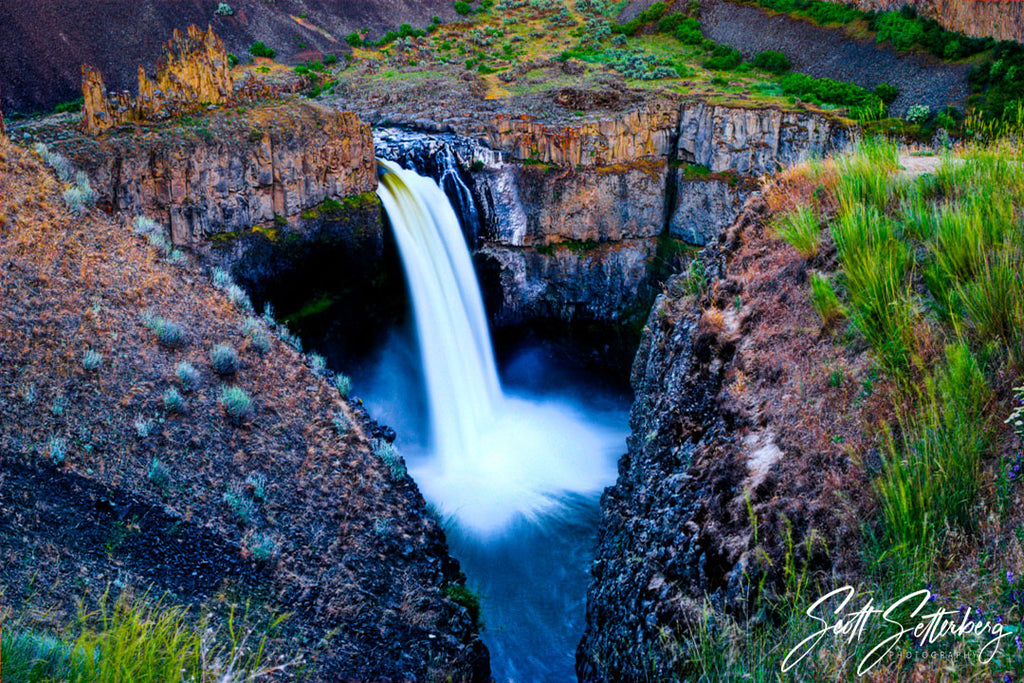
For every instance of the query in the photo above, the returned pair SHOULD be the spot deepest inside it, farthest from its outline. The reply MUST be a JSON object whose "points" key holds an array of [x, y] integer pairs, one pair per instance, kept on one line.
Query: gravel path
{"points": [[820, 52]]}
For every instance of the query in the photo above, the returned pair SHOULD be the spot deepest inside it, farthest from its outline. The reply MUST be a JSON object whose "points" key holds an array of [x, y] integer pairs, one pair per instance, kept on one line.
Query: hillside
{"points": [[158, 437], [46, 42]]}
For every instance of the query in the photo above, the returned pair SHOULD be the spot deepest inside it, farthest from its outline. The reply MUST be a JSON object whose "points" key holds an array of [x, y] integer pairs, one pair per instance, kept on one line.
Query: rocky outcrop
{"points": [[735, 440], [702, 205], [642, 133], [538, 204], [754, 142], [1000, 19], [192, 75], [230, 173]]}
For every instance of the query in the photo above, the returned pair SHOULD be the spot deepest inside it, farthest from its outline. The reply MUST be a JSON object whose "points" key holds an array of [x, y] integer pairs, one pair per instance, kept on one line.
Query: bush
{"points": [[168, 333], [187, 375], [158, 473], [688, 33], [232, 60], [174, 402], [262, 546], [224, 10], [318, 363], [224, 359], [887, 93], [241, 506], [237, 404], [389, 456], [918, 113], [258, 49], [92, 360], [723, 58], [57, 449], [902, 33], [343, 383], [828, 91], [463, 8], [772, 62], [354, 39]]}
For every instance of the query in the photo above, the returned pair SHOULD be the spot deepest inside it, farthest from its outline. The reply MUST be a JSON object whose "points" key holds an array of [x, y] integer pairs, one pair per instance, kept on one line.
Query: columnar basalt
{"points": [[229, 174], [192, 74]]}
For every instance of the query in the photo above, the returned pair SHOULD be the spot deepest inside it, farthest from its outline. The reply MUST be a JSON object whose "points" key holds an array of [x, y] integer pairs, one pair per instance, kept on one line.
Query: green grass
{"points": [[824, 299], [801, 228], [134, 640]]}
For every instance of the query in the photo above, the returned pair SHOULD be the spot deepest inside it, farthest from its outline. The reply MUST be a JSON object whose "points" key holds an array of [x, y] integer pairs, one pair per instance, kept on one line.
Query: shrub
{"points": [[389, 455], [92, 360], [918, 113], [461, 595], [723, 58], [887, 93], [257, 482], [174, 402], [318, 363], [233, 60], [224, 359], [828, 91], [771, 61], [241, 506], [258, 49], [262, 546], [237, 404], [343, 384], [57, 450], [224, 10], [187, 375], [354, 39], [143, 426], [689, 33], [902, 33], [168, 333], [801, 229], [463, 8], [341, 422], [158, 473]]}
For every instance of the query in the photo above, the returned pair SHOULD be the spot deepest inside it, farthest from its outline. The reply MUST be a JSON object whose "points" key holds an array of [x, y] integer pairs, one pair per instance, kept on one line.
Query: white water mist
{"points": [[495, 459]]}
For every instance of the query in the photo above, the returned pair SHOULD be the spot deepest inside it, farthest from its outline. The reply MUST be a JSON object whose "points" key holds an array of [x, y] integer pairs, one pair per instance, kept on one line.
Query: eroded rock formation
{"points": [[229, 174], [192, 74]]}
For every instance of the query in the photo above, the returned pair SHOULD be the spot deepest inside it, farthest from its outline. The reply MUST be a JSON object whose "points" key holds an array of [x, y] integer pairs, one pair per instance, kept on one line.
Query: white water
{"points": [[495, 459]]}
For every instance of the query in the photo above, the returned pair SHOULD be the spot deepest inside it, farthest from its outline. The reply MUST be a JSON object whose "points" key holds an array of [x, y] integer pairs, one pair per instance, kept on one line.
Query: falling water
{"points": [[495, 459]]}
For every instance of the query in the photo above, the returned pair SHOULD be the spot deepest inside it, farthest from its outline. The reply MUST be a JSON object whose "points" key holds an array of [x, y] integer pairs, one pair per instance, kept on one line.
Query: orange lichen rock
{"points": [[192, 74]]}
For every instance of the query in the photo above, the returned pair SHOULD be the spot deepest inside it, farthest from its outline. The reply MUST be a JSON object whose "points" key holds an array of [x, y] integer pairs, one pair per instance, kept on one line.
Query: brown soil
{"points": [[361, 563]]}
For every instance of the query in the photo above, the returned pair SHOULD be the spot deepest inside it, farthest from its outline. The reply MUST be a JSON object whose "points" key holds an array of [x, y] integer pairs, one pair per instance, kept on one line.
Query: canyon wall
{"points": [[1000, 19], [734, 462], [575, 215], [232, 171]]}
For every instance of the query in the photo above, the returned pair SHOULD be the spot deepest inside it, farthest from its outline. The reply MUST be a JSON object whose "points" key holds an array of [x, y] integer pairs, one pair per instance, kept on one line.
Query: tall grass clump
{"points": [[824, 299], [931, 471], [801, 229], [134, 640]]}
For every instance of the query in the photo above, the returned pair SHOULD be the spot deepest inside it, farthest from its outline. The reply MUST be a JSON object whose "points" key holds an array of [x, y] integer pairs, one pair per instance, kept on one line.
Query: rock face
{"points": [[727, 463], [753, 141], [1000, 19], [234, 172], [640, 134], [192, 74], [702, 205]]}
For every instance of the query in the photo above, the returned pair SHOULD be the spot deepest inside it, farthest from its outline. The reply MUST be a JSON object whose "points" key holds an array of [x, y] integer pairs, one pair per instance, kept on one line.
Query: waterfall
{"points": [[495, 458]]}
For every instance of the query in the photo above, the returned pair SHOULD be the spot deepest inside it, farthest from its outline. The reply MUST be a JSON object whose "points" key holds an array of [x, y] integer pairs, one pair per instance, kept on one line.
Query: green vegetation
{"points": [[258, 49], [224, 359], [188, 376], [174, 402], [772, 62], [801, 229], [168, 333], [133, 639], [91, 360], [463, 596], [236, 403], [463, 8], [828, 91]]}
